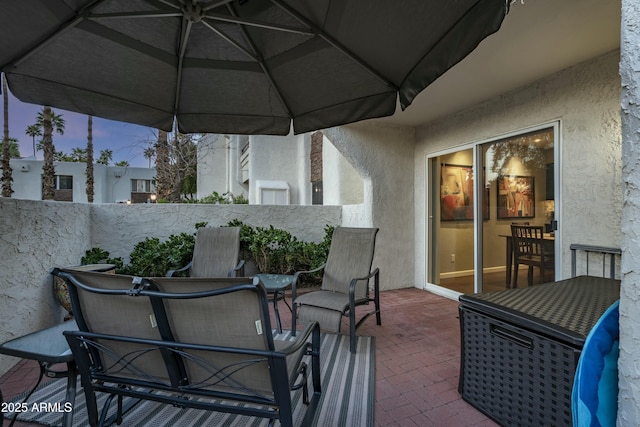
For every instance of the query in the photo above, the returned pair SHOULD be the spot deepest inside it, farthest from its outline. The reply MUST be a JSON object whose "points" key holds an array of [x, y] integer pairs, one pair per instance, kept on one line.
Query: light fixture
{"points": [[128, 202], [153, 198]]}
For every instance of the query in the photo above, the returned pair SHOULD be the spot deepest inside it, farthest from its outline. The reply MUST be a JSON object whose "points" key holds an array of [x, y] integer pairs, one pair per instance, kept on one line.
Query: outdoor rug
{"points": [[348, 383]]}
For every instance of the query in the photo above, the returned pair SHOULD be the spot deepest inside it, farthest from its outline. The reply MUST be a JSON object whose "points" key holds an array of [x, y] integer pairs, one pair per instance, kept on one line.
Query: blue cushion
{"points": [[595, 387]]}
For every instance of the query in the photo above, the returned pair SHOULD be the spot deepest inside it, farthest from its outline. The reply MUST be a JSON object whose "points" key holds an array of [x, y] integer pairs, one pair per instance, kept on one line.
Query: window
{"points": [[64, 182], [63, 188], [142, 186], [142, 190]]}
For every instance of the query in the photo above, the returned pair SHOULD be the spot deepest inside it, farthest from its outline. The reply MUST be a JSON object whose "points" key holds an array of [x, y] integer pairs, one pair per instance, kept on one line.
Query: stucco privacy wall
{"points": [[586, 100], [37, 236], [383, 156], [629, 362], [117, 228]]}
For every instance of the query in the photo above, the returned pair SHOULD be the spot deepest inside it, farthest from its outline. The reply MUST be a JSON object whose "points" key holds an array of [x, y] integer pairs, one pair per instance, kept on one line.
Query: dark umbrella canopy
{"points": [[241, 66]]}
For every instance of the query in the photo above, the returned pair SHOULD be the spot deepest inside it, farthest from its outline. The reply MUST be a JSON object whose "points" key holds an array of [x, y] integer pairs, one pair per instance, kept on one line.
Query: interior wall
{"points": [[585, 98]]}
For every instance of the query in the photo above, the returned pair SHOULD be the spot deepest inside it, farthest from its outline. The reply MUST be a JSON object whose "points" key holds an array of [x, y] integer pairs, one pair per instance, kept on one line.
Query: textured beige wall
{"points": [[37, 236], [629, 363], [383, 156], [585, 98], [117, 228]]}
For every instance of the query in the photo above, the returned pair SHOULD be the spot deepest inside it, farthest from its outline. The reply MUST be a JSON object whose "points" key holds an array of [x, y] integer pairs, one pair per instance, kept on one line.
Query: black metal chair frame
{"points": [[125, 381]]}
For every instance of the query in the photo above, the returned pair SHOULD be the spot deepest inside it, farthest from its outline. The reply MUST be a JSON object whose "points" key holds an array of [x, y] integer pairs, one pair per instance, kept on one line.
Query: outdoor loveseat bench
{"points": [[190, 342]]}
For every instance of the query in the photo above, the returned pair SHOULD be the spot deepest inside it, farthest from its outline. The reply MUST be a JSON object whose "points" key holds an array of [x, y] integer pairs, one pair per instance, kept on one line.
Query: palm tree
{"points": [[89, 154], [48, 170], [33, 131], [6, 146], [148, 154], [106, 156], [78, 155], [14, 149], [57, 122], [49, 121]]}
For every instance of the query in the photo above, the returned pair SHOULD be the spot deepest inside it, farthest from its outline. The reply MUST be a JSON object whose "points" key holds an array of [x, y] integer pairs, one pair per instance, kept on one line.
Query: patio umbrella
{"points": [[236, 66]]}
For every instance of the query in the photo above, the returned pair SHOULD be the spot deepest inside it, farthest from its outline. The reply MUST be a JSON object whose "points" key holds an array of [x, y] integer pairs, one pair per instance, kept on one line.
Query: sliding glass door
{"points": [[520, 187], [452, 213], [475, 195]]}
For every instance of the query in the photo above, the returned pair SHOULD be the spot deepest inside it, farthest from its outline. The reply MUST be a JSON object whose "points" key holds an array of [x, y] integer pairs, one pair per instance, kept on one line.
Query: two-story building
{"points": [[112, 184]]}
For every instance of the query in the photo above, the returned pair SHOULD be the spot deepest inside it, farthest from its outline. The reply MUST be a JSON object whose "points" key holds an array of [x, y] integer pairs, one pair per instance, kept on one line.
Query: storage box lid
{"points": [[565, 310]]}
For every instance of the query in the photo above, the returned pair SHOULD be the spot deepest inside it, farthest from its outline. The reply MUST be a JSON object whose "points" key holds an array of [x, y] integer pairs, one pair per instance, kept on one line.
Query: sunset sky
{"points": [[127, 141]]}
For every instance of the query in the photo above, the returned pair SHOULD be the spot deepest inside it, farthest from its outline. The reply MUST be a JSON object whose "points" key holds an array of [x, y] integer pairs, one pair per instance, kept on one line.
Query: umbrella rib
{"points": [[230, 40], [74, 21], [141, 14], [184, 39], [259, 24], [214, 4], [326, 37], [262, 65]]}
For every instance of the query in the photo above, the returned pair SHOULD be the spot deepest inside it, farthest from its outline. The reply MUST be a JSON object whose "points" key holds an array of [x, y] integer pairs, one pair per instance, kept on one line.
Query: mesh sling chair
{"points": [[106, 310], [215, 253], [216, 350], [529, 249], [345, 284]]}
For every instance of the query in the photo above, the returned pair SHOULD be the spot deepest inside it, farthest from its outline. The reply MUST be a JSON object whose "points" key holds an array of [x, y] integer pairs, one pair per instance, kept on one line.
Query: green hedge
{"points": [[273, 250]]}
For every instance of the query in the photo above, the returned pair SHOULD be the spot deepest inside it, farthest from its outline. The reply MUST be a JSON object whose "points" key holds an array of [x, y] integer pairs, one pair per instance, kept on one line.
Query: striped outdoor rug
{"points": [[347, 380]]}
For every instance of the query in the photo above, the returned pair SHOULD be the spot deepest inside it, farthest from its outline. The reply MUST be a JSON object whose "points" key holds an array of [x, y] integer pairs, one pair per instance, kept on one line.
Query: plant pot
{"points": [[60, 290]]}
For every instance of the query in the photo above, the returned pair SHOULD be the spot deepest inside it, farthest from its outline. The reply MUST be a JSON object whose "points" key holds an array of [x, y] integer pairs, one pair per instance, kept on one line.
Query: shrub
{"points": [[100, 256], [154, 258], [274, 251], [223, 199], [277, 251]]}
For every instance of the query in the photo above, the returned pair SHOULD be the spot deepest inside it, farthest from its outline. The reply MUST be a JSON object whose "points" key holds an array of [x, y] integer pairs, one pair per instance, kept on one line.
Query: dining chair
{"points": [[529, 249]]}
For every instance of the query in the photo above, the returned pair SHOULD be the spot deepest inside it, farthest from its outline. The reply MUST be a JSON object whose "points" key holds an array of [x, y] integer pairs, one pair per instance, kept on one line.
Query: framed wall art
{"points": [[456, 192], [516, 197]]}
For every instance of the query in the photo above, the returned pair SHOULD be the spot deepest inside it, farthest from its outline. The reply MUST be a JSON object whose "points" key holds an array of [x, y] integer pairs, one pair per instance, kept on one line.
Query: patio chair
{"points": [[210, 338], [345, 284], [215, 254], [529, 249]]}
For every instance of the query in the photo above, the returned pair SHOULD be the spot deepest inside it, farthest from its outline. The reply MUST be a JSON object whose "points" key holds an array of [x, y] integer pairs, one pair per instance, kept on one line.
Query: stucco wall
{"points": [[383, 156], [341, 183], [280, 158], [117, 228], [585, 98], [37, 236], [218, 166], [629, 363]]}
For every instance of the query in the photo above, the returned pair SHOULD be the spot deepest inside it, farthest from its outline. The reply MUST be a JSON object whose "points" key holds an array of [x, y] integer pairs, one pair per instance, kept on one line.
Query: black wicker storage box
{"points": [[520, 348]]}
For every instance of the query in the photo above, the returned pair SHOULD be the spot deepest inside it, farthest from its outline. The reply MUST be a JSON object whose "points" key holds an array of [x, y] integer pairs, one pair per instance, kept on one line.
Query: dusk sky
{"points": [[127, 141]]}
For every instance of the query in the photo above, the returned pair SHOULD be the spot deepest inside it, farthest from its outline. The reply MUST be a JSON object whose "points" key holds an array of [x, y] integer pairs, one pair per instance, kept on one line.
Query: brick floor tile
{"points": [[417, 363]]}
